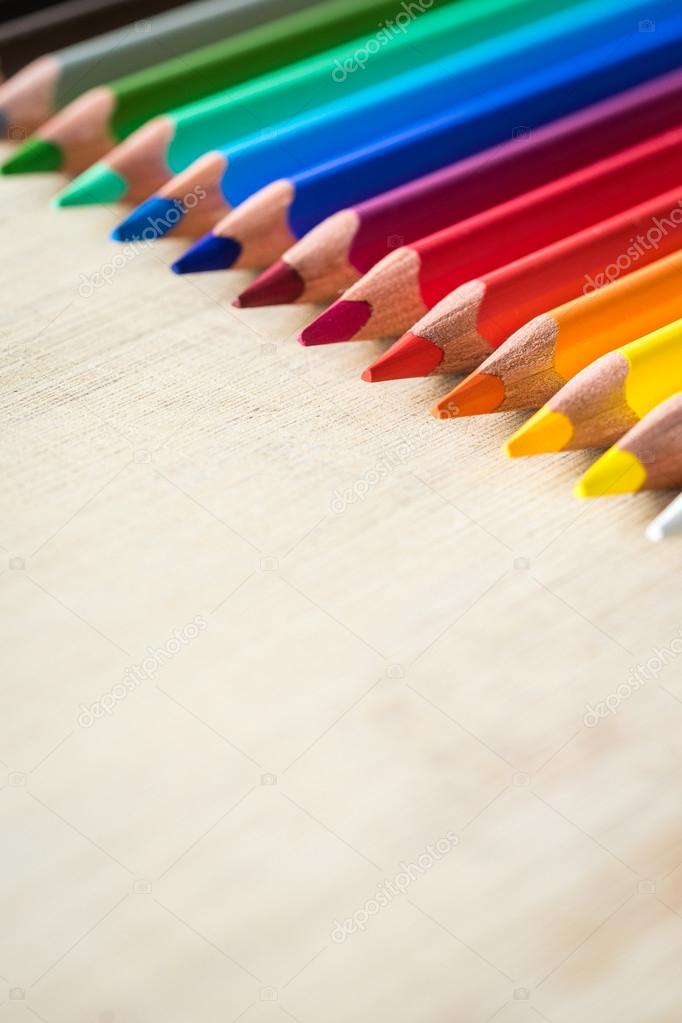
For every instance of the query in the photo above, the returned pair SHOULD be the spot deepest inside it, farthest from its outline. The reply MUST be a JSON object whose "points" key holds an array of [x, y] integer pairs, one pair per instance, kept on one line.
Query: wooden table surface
{"points": [[341, 656]]}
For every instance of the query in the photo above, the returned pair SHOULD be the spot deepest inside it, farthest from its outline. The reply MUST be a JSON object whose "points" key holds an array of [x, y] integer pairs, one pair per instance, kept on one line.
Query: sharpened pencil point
{"points": [[339, 323], [210, 253], [153, 219], [544, 433], [478, 395], [98, 184], [278, 285], [616, 472], [35, 156], [411, 356]]}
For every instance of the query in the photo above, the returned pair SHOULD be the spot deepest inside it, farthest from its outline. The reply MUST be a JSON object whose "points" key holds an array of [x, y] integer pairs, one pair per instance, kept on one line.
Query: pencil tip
{"points": [[280, 284], [210, 253], [655, 532], [544, 433], [338, 323], [34, 156], [153, 219], [98, 184], [616, 472], [411, 356], [478, 395]]}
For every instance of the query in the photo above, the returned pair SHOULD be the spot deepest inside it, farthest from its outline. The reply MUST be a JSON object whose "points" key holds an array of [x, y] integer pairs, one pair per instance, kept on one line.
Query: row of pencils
{"points": [[496, 185]]}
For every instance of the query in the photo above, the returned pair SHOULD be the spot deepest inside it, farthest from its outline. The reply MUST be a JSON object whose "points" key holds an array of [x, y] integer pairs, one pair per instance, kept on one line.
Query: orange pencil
{"points": [[536, 361], [474, 319]]}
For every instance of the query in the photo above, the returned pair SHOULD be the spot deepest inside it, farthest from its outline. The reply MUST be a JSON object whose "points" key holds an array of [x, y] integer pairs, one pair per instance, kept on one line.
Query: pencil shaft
{"points": [[406, 156], [276, 97], [44, 87], [70, 21]]}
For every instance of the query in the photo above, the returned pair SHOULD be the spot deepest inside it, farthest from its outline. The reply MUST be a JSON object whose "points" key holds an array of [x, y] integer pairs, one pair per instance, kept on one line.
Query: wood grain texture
{"points": [[373, 673]]}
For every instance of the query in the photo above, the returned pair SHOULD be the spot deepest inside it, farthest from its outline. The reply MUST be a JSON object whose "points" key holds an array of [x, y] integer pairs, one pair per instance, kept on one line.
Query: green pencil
{"points": [[168, 144], [48, 84], [93, 124]]}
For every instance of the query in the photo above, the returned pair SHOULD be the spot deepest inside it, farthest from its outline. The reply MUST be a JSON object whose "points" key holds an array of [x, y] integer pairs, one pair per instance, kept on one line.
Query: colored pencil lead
{"points": [[210, 253], [339, 323], [278, 285], [544, 433], [98, 184], [616, 472], [150, 221], [412, 356], [33, 157], [478, 395]]}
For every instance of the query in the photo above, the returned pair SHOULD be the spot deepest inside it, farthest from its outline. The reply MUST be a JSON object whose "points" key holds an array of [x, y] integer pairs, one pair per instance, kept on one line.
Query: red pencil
{"points": [[401, 288], [337, 252], [468, 324]]}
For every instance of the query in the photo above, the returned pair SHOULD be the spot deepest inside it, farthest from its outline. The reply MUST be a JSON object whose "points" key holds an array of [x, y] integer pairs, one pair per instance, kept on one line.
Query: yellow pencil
{"points": [[647, 457], [600, 404]]}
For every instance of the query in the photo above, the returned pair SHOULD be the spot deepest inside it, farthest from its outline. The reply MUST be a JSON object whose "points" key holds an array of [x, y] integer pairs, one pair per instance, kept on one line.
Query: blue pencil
{"points": [[291, 207], [222, 179]]}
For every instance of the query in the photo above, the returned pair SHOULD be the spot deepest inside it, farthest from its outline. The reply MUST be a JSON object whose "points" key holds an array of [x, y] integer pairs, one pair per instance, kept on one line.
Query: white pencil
{"points": [[667, 523]]}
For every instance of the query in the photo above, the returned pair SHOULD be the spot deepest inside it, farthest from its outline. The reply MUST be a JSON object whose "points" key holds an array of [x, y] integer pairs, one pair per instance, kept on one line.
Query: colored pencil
{"points": [[473, 320], [225, 177], [166, 145], [544, 354], [47, 85], [33, 34], [668, 523], [307, 198], [647, 457], [427, 270], [605, 399], [90, 126], [336, 253]]}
